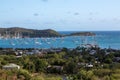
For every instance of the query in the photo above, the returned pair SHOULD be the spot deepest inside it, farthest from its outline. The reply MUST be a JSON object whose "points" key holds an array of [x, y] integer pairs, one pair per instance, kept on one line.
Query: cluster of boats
{"points": [[52, 42]]}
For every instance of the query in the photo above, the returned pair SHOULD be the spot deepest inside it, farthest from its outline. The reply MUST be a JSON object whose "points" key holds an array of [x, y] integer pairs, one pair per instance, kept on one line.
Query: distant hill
{"points": [[82, 34], [13, 31], [29, 32]]}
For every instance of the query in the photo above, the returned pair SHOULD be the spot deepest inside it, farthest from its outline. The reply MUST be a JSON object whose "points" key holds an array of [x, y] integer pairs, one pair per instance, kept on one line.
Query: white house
{"points": [[11, 66], [89, 65]]}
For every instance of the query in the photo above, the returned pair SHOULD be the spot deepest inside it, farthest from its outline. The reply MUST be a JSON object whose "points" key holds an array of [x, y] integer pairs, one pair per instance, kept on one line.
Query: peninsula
{"points": [[34, 33]]}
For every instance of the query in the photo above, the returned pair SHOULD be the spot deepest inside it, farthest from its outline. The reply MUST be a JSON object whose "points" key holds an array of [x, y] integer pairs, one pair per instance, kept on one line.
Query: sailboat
{"points": [[37, 42]]}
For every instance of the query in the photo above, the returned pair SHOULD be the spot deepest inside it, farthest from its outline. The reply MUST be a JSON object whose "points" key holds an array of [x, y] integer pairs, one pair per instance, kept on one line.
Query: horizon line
{"points": [[58, 30]]}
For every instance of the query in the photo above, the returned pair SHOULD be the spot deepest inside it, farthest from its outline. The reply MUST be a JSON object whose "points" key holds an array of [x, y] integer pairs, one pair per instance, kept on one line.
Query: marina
{"points": [[103, 38]]}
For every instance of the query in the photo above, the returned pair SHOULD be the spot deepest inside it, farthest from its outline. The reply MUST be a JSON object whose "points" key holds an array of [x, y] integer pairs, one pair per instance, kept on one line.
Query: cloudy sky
{"points": [[67, 15]]}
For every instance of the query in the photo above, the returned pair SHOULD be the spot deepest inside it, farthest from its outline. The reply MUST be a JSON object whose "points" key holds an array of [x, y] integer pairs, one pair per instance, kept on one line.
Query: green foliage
{"points": [[94, 77], [115, 66], [115, 76], [104, 67], [85, 75], [102, 72], [70, 67], [59, 62], [24, 73], [106, 78], [46, 77], [38, 78], [31, 32], [82, 74], [40, 65], [30, 66], [108, 60]]}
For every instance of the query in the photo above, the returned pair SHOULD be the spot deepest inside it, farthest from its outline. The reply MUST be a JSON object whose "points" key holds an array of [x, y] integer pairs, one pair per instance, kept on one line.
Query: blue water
{"points": [[104, 39]]}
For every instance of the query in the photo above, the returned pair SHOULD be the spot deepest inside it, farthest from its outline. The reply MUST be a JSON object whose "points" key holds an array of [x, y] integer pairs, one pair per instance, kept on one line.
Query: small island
{"points": [[82, 34]]}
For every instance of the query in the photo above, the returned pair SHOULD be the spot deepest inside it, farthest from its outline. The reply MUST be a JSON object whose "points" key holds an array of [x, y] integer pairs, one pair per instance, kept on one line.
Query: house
{"points": [[89, 65], [29, 53], [55, 69], [92, 52], [117, 59], [11, 66], [81, 64], [18, 52], [33, 52]]}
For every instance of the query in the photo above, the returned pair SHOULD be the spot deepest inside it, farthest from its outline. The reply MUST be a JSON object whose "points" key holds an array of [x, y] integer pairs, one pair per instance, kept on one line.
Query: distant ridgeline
{"points": [[32, 33], [15, 31], [82, 34]]}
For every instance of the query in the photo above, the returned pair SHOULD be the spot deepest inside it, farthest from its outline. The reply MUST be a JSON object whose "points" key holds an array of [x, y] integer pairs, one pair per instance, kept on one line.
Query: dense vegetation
{"points": [[38, 33], [29, 32], [69, 64]]}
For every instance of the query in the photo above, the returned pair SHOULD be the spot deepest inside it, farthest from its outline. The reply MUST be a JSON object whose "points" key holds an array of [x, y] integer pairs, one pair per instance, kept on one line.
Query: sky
{"points": [[61, 15]]}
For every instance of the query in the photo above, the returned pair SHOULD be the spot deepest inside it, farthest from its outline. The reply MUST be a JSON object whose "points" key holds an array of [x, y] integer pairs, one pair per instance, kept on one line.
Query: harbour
{"points": [[105, 39]]}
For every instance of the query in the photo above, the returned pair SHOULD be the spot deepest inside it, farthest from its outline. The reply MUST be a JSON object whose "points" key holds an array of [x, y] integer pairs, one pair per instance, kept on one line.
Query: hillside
{"points": [[29, 32]]}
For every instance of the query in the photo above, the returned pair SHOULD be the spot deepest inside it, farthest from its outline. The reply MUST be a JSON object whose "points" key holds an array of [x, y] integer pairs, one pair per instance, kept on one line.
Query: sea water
{"points": [[103, 39]]}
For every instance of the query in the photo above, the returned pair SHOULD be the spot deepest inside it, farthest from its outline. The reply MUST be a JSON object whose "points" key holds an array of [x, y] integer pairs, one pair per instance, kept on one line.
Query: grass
{"points": [[47, 77]]}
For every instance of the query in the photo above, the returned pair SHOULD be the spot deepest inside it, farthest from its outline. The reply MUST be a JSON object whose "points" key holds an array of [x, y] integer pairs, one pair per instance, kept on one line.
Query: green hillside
{"points": [[29, 32]]}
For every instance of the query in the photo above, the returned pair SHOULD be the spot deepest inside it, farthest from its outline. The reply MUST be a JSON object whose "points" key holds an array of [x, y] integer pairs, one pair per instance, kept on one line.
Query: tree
{"points": [[70, 67], [24, 73], [40, 65], [29, 66]]}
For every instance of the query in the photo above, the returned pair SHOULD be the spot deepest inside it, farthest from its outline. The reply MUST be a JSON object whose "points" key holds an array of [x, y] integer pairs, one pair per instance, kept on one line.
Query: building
{"points": [[89, 66], [11, 66]]}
